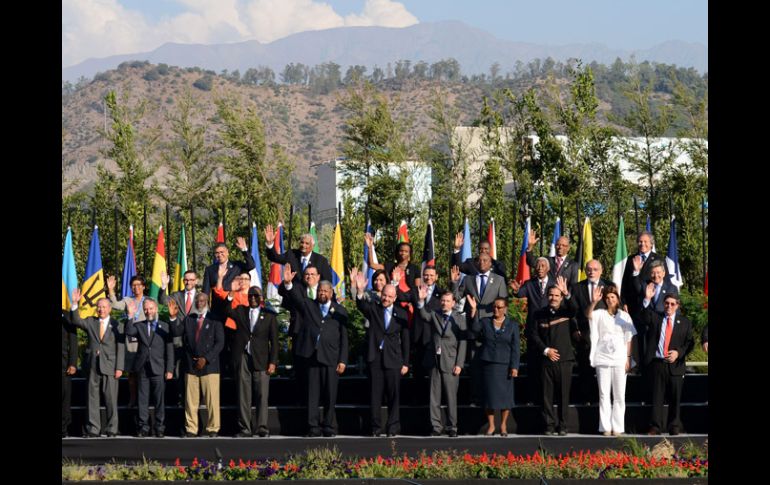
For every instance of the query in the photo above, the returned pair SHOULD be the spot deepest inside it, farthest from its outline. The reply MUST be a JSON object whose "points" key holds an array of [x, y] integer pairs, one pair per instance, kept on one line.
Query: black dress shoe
{"points": [[316, 434], [391, 435], [330, 434], [242, 434], [453, 434], [435, 433], [653, 431], [375, 434], [187, 434], [110, 434], [141, 434], [263, 433], [91, 435], [550, 432], [159, 434], [213, 434], [562, 432], [673, 431]]}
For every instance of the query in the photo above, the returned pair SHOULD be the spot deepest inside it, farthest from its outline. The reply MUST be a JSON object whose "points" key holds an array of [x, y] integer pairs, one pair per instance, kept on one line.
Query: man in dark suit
{"points": [[471, 265], [550, 336], [300, 258], [559, 265], [669, 340], [203, 338], [638, 265], [322, 340], [107, 356], [421, 333], [447, 357], [255, 357], [661, 287], [387, 352], [579, 299], [154, 364], [484, 287], [227, 270], [69, 359]]}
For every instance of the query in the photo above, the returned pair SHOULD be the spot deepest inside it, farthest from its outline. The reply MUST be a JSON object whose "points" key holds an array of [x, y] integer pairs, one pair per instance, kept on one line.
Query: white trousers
{"points": [[611, 415]]}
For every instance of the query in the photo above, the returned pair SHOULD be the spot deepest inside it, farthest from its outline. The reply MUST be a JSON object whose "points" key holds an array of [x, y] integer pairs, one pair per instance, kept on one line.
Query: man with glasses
{"points": [[299, 259], [668, 341], [225, 270], [185, 304]]}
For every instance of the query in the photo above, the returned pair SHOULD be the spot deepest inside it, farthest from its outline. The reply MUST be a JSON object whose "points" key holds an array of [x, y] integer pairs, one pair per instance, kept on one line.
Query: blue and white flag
{"points": [[556, 236], [672, 258]]}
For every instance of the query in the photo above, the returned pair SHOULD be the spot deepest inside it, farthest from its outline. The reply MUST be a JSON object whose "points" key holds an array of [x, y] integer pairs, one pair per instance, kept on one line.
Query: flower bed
{"points": [[324, 463]]}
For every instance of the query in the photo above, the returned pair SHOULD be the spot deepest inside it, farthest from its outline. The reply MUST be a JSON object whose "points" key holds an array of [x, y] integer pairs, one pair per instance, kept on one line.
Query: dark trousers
{"points": [[556, 377], [322, 382], [663, 381], [66, 397], [252, 386], [155, 385], [387, 380], [534, 372], [586, 381]]}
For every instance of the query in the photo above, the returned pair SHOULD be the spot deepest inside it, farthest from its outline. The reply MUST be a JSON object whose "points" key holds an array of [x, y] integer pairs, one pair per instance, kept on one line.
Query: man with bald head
{"points": [[298, 258], [637, 273], [387, 352], [107, 355], [471, 265]]}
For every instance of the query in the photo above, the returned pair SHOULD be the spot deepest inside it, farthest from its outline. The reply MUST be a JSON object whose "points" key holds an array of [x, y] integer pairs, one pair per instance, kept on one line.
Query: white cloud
{"points": [[100, 28]]}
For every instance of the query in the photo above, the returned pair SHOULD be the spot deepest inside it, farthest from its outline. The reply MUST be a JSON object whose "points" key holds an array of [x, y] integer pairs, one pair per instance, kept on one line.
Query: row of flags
{"points": [[93, 285]]}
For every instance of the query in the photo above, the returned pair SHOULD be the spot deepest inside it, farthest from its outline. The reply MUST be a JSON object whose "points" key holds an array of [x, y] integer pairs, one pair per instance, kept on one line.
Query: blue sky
{"points": [[99, 28]]}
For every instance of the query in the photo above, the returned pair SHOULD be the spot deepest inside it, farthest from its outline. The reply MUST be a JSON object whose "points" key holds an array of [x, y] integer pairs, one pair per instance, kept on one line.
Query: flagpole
{"points": [[291, 222], [115, 239], [513, 232], [636, 215], [309, 216], [192, 229], [168, 243], [542, 223], [144, 249], [481, 217], [450, 233], [561, 218], [224, 224], [248, 214], [703, 235]]}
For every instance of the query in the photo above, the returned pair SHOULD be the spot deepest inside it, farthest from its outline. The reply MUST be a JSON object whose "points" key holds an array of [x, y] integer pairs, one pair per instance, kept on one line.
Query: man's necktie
{"points": [[559, 261], [644, 258], [188, 303], [483, 284], [304, 263], [324, 310], [198, 330], [102, 328], [387, 319], [669, 329], [311, 293], [542, 287]]}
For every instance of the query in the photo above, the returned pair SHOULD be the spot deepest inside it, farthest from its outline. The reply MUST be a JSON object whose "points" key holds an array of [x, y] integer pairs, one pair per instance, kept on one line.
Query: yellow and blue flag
{"points": [[93, 282], [69, 277], [338, 267]]}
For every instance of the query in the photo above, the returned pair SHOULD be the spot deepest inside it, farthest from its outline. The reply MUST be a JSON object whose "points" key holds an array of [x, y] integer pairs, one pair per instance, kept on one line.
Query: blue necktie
{"points": [[324, 310], [387, 319], [483, 284]]}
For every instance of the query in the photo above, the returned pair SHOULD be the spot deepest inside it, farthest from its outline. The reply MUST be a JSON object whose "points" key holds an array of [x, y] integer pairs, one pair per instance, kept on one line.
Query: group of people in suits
{"points": [[408, 317]]}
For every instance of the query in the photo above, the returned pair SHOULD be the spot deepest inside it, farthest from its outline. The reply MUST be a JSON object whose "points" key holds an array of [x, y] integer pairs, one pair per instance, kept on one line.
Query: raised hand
{"points": [[353, 273], [471, 303], [131, 308], [288, 274], [455, 273], [75, 296], [533, 239], [597, 296], [269, 235], [561, 284], [422, 292], [369, 239], [111, 283], [398, 274], [240, 243], [515, 285], [360, 281], [164, 279], [459, 239], [649, 292], [637, 261]]}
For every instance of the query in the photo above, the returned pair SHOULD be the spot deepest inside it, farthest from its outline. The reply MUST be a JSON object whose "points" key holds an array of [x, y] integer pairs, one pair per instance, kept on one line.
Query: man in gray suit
{"points": [[107, 354], [154, 362], [447, 356]]}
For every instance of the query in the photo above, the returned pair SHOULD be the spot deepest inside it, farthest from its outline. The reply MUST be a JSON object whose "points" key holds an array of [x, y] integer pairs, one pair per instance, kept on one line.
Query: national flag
{"points": [[403, 233], [256, 273], [69, 277], [649, 229], [491, 239], [465, 251], [621, 254], [276, 270], [588, 249], [181, 263], [367, 270], [338, 267], [428, 253], [220, 238], [316, 248], [672, 258], [93, 287], [555, 239], [129, 265], [522, 272], [158, 265]]}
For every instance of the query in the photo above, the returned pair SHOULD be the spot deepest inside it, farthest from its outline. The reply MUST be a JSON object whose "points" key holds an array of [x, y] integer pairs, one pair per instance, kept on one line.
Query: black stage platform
{"points": [[167, 450]]}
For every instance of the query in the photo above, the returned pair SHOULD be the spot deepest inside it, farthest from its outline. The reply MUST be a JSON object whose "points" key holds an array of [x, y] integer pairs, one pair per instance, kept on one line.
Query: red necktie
{"points": [[198, 330], [559, 260], [187, 304], [669, 329]]}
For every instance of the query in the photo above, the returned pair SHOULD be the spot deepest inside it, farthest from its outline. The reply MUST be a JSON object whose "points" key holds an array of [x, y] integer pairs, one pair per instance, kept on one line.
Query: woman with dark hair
{"points": [[379, 280], [611, 334], [499, 357], [403, 274]]}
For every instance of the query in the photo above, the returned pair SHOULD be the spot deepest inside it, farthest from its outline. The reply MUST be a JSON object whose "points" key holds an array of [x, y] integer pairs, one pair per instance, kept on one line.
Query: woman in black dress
{"points": [[499, 357]]}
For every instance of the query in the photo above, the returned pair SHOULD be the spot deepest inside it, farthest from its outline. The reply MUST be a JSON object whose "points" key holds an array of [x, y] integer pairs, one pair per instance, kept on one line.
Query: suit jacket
{"points": [[263, 341], [69, 344], [395, 339], [421, 327], [535, 299], [328, 336], [552, 329], [451, 341], [110, 351], [156, 348], [495, 289], [234, 268], [500, 347], [179, 297], [681, 338], [293, 257], [471, 266], [209, 345], [666, 288], [579, 301], [569, 268], [629, 291]]}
